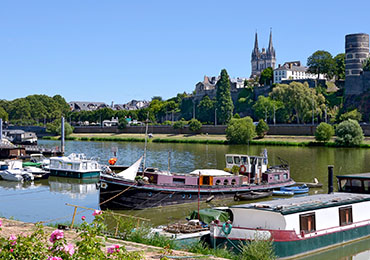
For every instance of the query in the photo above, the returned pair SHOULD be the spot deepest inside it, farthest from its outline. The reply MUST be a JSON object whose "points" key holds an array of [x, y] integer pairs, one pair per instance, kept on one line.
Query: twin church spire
{"points": [[262, 59]]}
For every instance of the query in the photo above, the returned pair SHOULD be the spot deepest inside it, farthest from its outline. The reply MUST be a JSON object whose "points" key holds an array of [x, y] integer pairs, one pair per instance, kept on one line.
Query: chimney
{"points": [[330, 179]]}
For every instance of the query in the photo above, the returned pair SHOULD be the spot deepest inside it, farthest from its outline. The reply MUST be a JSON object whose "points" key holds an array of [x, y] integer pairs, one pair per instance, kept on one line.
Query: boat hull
{"points": [[71, 174], [119, 194], [287, 244]]}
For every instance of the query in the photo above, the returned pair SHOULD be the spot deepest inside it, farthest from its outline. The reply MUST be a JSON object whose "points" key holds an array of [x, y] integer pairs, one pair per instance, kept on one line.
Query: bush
{"points": [[195, 125], [324, 132], [354, 115], [262, 128], [179, 124], [349, 133], [55, 128], [259, 248], [167, 122], [236, 116], [122, 123], [240, 131]]}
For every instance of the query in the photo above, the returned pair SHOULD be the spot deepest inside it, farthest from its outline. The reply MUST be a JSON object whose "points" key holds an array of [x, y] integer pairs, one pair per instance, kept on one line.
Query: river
{"points": [[46, 200]]}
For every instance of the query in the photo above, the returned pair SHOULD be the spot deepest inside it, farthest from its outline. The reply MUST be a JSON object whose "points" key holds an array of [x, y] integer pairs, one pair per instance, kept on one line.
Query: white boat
{"points": [[12, 170], [301, 225], [74, 166]]}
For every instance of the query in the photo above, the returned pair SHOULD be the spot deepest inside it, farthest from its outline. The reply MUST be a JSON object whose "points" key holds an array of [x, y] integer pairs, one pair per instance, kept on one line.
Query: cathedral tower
{"points": [[262, 59]]}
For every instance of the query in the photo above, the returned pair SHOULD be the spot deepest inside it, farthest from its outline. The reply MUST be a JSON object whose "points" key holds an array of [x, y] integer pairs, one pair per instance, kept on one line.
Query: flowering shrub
{"points": [[39, 245]]}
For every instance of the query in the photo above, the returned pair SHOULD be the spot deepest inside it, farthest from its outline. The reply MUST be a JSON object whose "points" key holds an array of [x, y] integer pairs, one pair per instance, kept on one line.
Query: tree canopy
{"points": [[266, 77], [224, 103], [240, 131], [321, 62]]}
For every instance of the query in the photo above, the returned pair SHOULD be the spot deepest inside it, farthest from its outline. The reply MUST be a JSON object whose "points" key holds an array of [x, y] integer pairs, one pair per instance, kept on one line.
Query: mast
{"points": [[146, 141]]}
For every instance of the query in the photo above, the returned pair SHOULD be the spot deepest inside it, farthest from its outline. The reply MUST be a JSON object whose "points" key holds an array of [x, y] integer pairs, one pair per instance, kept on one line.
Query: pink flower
{"points": [[113, 249], [54, 258], [69, 249], [13, 238], [56, 235], [1, 223], [11, 250], [97, 212], [83, 217]]}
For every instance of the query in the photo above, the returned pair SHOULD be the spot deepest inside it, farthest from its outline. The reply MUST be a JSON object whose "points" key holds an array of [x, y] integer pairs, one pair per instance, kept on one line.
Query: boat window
{"points": [[233, 182], [277, 177], [345, 185], [285, 176], [345, 216], [84, 166], [4, 167], [244, 160], [226, 182], [367, 186], [237, 160], [356, 185], [218, 182], [179, 180], [206, 180], [259, 161], [307, 222], [229, 159]]}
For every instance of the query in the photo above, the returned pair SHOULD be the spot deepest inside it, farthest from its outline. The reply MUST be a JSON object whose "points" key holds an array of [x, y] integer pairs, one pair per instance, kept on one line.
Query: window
{"points": [[345, 216], [277, 177], [229, 159], [285, 176], [236, 160], [307, 223], [179, 180], [226, 182], [356, 185], [367, 186]]}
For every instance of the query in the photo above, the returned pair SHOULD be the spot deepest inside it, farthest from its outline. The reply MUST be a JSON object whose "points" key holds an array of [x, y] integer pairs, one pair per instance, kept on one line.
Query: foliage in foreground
{"points": [[39, 245], [349, 133], [324, 132]]}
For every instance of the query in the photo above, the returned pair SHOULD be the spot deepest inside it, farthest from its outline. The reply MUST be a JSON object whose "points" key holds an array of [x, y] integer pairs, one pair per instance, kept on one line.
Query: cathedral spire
{"points": [[256, 42], [270, 48]]}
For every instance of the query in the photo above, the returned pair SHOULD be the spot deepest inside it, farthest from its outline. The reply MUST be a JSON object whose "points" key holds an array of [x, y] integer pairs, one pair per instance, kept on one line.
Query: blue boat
{"points": [[296, 189], [282, 193]]}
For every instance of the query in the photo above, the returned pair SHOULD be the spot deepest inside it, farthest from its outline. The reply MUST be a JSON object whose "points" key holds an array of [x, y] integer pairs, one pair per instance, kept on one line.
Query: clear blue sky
{"points": [[120, 50]]}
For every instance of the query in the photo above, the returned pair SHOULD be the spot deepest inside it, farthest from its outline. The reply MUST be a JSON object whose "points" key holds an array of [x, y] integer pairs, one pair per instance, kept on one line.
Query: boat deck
{"points": [[300, 204]]}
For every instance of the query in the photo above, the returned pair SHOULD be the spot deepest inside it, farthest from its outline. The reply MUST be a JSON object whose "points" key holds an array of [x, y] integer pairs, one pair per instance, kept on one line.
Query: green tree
{"points": [[224, 103], [245, 100], [266, 76], [3, 114], [264, 107], [321, 62], [339, 61], [122, 123], [353, 114], [55, 128], [349, 133], [299, 101], [240, 131], [195, 125], [206, 110], [262, 128], [324, 132]]}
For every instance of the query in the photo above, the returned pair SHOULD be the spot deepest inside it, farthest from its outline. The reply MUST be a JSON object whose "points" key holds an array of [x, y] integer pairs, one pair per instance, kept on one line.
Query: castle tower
{"points": [[262, 59], [357, 51]]}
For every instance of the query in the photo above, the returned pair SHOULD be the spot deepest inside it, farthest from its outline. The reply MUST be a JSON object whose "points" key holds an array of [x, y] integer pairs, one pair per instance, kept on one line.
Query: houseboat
{"points": [[301, 225], [74, 166], [151, 187]]}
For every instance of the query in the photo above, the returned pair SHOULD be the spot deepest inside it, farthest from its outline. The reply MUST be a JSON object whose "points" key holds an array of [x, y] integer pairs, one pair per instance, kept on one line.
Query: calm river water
{"points": [[46, 200]]}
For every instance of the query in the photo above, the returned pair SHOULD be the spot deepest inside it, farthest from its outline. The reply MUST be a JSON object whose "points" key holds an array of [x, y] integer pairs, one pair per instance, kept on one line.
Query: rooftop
{"points": [[307, 203], [358, 175]]}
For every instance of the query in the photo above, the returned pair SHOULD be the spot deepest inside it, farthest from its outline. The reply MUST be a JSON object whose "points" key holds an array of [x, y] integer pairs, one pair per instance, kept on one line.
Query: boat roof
{"points": [[210, 172], [357, 176], [307, 203]]}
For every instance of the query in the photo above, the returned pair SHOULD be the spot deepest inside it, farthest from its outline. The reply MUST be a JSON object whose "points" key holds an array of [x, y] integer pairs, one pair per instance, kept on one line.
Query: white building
{"points": [[293, 71]]}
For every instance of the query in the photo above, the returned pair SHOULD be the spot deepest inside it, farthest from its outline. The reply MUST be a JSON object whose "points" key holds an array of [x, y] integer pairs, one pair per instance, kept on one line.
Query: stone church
{"points": [[262, 59]]}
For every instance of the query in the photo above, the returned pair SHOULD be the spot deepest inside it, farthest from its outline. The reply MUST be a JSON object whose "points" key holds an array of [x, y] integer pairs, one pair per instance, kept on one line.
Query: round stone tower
{"points": [[357, 51]]}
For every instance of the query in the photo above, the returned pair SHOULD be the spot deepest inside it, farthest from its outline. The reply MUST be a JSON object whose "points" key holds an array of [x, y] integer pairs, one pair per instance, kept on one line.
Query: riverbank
{"points": [[15, 228], [204, 139]]}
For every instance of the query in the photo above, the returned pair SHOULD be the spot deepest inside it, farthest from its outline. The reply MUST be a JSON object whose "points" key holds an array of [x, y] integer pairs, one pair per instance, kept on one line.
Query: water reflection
{"points": [[353, 251], [74, 188]]}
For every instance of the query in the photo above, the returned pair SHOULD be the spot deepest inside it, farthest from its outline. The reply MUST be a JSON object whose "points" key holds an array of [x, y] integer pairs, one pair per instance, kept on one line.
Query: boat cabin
{"points": [[355, 183], [247, 164], [74, 162]]}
